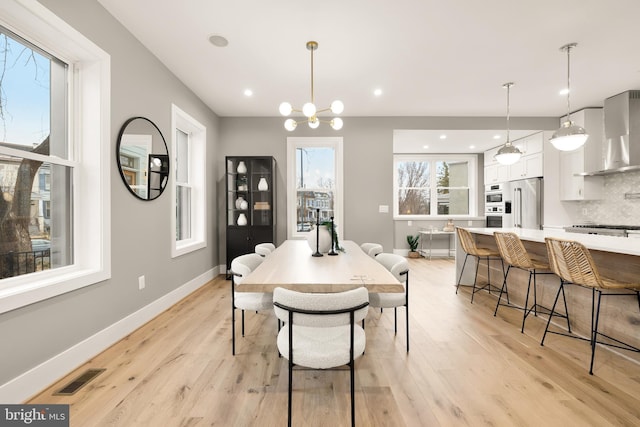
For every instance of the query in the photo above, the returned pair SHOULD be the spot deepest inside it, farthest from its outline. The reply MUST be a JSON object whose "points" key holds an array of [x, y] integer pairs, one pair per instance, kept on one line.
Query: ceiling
{"points": [[429, 57]]}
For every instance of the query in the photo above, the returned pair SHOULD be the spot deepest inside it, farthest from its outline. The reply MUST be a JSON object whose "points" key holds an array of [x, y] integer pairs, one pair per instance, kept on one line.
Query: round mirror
{"points": [[143, 158]]}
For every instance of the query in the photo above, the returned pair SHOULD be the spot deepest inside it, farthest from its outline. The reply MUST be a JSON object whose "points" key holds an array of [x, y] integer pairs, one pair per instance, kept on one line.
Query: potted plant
{"points": [[413, 245]]}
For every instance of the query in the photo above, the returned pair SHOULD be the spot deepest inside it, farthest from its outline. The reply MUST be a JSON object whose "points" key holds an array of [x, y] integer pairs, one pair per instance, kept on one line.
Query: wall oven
{"points": [[497, 208], [494, 193]]}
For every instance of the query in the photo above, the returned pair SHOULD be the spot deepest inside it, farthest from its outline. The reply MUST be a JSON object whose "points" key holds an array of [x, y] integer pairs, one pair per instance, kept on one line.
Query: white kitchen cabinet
{"points": [[489, 156], [529, 166], [496, 173], [531, 144], [588, 158]]}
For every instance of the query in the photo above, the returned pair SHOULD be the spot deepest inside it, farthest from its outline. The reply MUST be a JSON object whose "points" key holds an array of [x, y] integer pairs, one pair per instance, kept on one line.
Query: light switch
{"points": [[383, 209], [409, 223]]}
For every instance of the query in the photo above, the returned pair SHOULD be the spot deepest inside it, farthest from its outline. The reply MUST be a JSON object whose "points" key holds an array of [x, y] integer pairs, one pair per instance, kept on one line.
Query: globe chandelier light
{"points": [[508, 154], [309, 109], [570, 136]]}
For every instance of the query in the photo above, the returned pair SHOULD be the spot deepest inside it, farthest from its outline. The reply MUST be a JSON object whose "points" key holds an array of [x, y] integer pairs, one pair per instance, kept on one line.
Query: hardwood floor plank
{"points": [[466, 367]]}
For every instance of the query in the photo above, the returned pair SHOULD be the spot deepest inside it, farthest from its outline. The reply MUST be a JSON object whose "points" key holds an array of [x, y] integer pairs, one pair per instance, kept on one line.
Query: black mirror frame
{"points": [[118, 144]]}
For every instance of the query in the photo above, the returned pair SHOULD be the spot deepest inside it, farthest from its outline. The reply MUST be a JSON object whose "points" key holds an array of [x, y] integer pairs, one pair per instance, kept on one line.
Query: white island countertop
{"points": [[620, 245]]}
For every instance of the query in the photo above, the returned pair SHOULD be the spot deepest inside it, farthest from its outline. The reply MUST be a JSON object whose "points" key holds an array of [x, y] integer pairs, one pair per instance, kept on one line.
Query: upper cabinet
{"points": [[588, 158], [530, 164]]}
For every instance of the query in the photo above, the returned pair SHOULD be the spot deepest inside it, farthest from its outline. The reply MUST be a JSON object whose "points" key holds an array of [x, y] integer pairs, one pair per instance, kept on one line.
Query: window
{"points": [[54, 157], [189, 154], [314, 185], [434, 186]]}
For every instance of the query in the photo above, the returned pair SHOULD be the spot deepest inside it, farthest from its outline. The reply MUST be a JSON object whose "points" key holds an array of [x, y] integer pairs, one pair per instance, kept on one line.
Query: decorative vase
{"points": [[239, 202], [242, 168], [450, 226], [244, 205], [262, 184], [324, 245], [242, 219]]}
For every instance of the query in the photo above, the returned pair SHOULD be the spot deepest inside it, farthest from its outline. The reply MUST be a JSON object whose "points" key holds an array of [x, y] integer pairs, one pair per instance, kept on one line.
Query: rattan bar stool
{"points": [[514, 253], [469, 247], [572, 261]]}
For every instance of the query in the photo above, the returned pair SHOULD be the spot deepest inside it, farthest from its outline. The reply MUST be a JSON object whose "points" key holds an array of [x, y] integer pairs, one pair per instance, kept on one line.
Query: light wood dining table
{"points": [[291, 266]]}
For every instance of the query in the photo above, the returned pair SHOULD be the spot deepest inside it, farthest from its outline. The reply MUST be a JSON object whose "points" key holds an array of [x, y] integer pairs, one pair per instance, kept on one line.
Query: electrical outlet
{"points": [[409, 223], [469, 223], [584, 211], [141, 283]]}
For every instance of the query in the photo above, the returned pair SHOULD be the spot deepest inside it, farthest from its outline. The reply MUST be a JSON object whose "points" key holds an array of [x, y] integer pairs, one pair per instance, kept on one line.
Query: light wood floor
{"points": [[466, 367]]}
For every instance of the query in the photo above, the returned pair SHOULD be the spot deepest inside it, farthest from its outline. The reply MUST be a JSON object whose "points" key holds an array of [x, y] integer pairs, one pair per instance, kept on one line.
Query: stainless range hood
{"points": [[621, 148]]}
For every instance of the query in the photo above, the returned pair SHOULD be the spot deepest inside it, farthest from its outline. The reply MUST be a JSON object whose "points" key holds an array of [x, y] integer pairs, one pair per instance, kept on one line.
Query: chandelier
{"points": [[309, 110], [570, 136], [508, 154]]}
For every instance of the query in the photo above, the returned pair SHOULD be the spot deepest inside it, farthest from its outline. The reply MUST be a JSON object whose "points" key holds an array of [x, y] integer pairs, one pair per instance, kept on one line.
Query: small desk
{"points": [[291, 266], [431, 233]]}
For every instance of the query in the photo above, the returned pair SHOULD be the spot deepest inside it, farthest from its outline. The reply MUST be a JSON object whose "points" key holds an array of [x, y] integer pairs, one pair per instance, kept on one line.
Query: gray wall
{"points": [[141, 231], [368, 167]]}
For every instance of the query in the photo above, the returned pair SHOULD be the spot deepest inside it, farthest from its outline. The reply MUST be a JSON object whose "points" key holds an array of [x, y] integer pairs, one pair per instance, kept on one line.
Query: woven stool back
{"points": [[467, 241], [512, 250], [572, 261]]}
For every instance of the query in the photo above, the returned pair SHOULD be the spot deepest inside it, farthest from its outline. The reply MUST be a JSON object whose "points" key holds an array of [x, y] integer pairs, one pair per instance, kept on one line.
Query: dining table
{"points": [[292, 266]]}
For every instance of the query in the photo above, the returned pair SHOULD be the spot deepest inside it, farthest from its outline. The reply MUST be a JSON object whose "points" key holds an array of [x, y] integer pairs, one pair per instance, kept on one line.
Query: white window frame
{"points": [[197, 134], [432, 159], [294, 143], [89, 156]]}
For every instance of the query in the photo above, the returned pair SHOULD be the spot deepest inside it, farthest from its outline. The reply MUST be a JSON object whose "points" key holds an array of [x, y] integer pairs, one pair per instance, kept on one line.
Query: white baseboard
{"points": [[36, 379], [435, 253]]}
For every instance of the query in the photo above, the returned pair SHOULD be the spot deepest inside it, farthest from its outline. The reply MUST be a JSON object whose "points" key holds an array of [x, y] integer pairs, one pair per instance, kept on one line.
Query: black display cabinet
{"points": [[251, 207]]}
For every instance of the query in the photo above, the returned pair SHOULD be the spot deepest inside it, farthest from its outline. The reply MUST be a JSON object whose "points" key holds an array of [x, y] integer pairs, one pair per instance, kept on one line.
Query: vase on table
{"points": [[324, 242]]}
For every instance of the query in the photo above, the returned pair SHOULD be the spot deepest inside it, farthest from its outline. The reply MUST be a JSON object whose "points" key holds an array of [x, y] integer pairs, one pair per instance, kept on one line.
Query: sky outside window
{"points": [[25, 93]]}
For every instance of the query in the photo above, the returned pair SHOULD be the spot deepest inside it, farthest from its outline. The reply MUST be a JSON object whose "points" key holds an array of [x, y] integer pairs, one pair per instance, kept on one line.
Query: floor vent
{"points": [[79, 382]]}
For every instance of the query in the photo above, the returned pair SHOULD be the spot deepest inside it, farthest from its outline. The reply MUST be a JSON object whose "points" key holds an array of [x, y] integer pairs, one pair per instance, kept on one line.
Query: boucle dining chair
{"points": [[372, 249], [321, 332], [468, 244], [264, 249], [399, 267], [514, 253], [573, 263], [256, 301]]}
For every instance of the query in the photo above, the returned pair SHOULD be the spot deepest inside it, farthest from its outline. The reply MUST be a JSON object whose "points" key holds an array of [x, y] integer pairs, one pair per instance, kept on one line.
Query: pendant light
{"points": [[508, 154], [570, 136], [309, 109]]}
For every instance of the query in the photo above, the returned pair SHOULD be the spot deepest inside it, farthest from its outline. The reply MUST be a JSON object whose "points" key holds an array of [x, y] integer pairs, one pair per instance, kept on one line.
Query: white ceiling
{"points": [[429, 57]]}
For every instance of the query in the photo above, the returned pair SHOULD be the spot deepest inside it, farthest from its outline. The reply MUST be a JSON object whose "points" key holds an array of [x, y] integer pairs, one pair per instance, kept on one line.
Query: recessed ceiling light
{"points": [[471, 147], [563, 91], [497, 136], [377, 92], [425, 146], [443, 136], [218, 40], [248, 92]]}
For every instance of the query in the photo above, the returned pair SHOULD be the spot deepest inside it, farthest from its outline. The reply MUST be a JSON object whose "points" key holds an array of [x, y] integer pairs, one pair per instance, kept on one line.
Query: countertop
{"points": [[621, 245]]}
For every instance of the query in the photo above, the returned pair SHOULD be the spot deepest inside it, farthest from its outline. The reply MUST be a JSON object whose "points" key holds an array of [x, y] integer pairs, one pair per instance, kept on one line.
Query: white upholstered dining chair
{"points": [[372, 249], [264, 249], [256, 301], [321, 331], [399, 267]]}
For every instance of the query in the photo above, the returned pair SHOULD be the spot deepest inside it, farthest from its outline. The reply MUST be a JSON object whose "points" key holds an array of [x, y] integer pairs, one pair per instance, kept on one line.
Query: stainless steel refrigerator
{"points": [[526, 203]]}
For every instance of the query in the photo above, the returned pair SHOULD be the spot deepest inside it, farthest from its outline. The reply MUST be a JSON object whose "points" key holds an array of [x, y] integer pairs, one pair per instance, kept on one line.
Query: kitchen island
{"points": [[616, 257]]}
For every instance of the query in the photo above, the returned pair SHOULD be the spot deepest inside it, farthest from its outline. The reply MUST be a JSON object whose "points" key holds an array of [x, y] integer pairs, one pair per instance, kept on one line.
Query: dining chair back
{"points": [[372, 249], [264, 249], [399, 267], [321, 331], [241, 267]]}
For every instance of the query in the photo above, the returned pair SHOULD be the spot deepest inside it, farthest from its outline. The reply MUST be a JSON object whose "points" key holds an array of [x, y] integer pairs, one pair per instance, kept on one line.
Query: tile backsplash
{"points": [[614, 208]]}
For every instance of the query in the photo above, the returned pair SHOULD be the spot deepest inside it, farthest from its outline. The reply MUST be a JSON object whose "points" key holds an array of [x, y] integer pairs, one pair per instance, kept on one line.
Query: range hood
{"points": [[621, 147]]}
